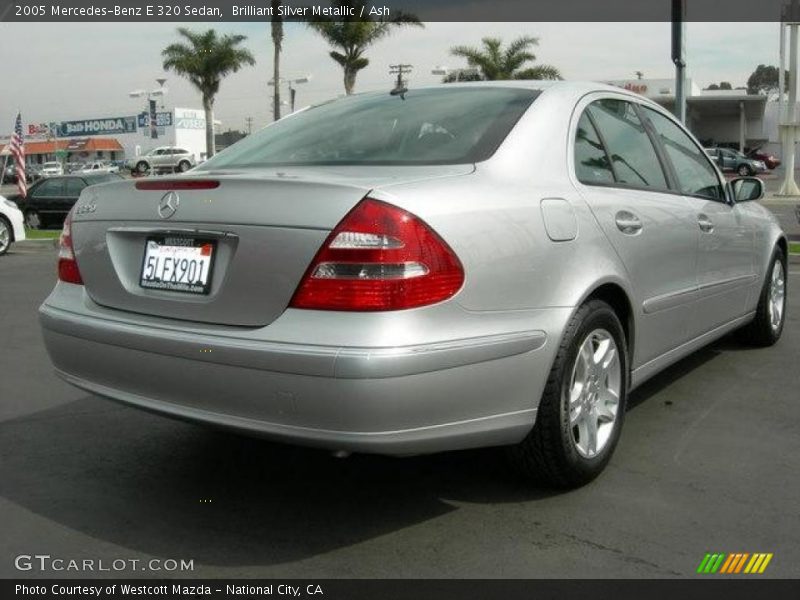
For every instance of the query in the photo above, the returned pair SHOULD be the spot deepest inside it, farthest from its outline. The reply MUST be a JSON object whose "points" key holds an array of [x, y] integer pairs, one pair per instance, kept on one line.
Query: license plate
{"points": [[178, 264]]}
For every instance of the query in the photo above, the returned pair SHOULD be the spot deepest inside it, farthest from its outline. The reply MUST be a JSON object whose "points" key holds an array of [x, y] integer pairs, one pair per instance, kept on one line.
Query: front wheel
{"points": [[142, 167], [5, 235], [744, 170], [580, 415], [767, 326]]}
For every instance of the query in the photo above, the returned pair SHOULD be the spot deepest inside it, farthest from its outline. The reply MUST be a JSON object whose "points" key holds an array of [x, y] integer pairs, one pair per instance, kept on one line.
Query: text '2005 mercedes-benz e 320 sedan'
{"points": [[467, 265]]}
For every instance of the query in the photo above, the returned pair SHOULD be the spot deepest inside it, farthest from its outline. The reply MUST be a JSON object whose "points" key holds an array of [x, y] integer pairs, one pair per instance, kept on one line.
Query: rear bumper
{"points": [[461, 393]]}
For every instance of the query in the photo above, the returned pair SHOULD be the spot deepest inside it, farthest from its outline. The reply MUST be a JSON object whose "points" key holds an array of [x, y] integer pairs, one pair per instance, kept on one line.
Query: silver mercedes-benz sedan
{"points": [[465, 265]]}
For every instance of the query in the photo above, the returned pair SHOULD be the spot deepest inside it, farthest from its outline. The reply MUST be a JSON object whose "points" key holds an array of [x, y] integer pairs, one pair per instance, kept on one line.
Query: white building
{"points": [[729, 117]]}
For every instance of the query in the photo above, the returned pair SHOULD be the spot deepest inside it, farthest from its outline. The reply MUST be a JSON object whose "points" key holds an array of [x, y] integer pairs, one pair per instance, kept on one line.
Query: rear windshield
{"points": [[427, 127]]}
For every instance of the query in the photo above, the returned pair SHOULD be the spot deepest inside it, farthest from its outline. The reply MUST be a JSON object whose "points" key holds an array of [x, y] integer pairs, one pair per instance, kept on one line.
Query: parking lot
{"points": [[707, 463]]}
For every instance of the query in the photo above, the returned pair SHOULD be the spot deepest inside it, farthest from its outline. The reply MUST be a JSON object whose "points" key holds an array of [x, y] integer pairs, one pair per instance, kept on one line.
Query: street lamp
{"points": [[160, 92], [291, 82]]}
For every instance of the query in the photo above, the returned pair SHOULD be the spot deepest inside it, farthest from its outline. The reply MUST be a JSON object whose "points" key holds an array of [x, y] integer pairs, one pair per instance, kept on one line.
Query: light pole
{"points": [[160, 92], [290, 83], [787, 119]]}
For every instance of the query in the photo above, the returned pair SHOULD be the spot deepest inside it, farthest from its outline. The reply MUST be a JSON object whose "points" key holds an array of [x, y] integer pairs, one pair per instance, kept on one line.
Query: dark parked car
{"points": [[772, 161], [49, 200], [733, 160], [10, 174]]}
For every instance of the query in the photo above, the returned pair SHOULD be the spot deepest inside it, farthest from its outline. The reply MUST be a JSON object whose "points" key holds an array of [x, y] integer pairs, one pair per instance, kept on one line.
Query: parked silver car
{"points": [[164, 158], [488, 264]]}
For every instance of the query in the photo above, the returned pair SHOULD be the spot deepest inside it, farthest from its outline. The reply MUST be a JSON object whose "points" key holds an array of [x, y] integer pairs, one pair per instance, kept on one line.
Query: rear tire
{"points": [[184, 166], [6, 235], [559, 451], [767, 327], [32, 219]]}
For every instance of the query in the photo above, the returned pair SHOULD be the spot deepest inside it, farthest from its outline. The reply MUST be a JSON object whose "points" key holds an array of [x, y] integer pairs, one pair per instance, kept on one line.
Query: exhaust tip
{"points": [[341, 454]]}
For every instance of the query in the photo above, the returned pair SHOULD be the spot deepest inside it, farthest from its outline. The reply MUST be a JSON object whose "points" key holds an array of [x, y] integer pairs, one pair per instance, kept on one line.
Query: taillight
{"points": [[380, 257], [67, 265]]}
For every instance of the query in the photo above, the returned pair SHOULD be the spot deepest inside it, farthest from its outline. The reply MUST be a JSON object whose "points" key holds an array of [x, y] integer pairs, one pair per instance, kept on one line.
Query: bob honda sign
{"points": [[105, 126]]}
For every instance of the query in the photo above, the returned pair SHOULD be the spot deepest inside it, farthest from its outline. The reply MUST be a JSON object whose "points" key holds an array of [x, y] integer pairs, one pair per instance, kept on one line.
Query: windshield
{"points": [[429, 127]]}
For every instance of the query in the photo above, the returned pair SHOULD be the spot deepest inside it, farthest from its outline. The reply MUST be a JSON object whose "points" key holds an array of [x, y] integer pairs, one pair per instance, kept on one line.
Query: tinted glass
{"points": [[632, 153], [696, 176], [427, 127], [591, 161], [74, 187], [50, 188]]}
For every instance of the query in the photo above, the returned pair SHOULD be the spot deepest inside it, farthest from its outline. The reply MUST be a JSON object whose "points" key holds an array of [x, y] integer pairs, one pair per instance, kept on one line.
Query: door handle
{"points": [[706, 225], [627, 222]]}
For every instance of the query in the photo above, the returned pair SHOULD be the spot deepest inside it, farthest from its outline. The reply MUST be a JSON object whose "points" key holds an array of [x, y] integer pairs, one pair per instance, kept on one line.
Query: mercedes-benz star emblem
{"points": [[168, 205]]}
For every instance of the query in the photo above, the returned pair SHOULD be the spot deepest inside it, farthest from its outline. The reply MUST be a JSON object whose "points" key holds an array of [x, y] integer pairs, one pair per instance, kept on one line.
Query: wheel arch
{"points": [[613, 294]]}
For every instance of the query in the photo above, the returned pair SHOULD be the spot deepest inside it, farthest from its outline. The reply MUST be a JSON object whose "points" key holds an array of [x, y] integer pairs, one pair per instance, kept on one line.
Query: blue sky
{"points": [[81, 70]]}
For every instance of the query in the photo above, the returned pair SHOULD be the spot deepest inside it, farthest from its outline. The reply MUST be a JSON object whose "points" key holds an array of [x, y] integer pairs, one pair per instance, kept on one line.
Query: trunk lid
{"points": [[265, 226]]}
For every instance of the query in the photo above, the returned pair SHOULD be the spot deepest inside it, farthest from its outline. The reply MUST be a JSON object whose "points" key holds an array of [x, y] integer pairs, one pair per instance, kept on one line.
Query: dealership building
{"points": [[114, 137]]}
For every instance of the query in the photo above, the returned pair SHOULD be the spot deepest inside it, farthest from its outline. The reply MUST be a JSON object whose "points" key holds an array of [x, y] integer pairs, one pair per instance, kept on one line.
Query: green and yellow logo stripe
{"points": [[735, 563]]}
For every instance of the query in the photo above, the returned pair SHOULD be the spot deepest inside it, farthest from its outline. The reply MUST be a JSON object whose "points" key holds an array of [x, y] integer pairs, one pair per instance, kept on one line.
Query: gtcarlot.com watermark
{"points": [[47, 563]]}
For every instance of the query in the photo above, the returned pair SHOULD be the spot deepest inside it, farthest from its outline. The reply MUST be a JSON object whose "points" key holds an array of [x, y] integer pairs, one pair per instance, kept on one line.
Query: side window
{"points": [[50, 188], [74, 187], [632, 154], [696, 176], [592, 165]]}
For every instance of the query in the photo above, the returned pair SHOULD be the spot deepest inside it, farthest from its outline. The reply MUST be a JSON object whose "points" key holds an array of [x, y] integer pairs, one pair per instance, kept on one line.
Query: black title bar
{"points": [[141, 11]]}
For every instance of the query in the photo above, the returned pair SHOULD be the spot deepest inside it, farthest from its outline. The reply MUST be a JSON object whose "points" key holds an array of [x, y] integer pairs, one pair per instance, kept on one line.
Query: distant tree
{"points": [[205, 59], [713, 86], [494, 63], [462, 75], [639, 75], [353, 35], [764, 80], [723, 85]]}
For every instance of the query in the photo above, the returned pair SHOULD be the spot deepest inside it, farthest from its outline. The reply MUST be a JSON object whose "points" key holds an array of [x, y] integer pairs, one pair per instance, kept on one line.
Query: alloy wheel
{"points": [[5, 236], [593, 393], [777, 296]]}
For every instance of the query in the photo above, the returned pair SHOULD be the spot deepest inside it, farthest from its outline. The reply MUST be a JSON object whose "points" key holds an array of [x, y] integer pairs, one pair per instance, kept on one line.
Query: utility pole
{"points": [[788, 122], [400, 85], [679, 57], [249, 121]]}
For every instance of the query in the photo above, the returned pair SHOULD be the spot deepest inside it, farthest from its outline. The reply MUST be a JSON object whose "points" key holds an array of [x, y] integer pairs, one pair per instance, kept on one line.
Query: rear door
{"points": [[48, 197], [652, 228], [725, 268]]}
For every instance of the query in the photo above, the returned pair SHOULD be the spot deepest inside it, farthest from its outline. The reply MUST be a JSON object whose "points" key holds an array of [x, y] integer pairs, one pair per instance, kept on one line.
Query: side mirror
{"points": [[745, 189]]}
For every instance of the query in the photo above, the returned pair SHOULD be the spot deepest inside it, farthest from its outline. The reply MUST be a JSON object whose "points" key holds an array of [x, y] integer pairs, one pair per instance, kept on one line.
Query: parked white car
{"points": [[52, 169], [12, 225], [97, 166], [163, 158]]}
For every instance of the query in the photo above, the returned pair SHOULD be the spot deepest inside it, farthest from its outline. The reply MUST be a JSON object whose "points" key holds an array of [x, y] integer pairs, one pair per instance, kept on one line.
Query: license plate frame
{"points": [[179, 245]]}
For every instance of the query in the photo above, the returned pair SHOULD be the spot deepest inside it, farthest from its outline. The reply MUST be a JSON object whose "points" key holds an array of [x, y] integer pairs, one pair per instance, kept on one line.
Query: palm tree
{"points": [[353, 35], [277, 43], [204, 60], [493, 63]]}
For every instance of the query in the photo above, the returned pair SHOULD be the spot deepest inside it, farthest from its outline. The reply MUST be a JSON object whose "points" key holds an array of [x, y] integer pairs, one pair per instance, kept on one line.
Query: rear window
{"points": [[428, 127]]}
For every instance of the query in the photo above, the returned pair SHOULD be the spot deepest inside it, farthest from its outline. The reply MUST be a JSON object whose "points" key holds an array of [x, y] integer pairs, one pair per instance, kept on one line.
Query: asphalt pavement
{"points": [[707, 463]]}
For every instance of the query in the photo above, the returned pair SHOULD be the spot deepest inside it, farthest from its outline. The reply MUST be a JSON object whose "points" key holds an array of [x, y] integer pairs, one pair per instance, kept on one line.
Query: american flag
{"points": [[17, 150]]}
